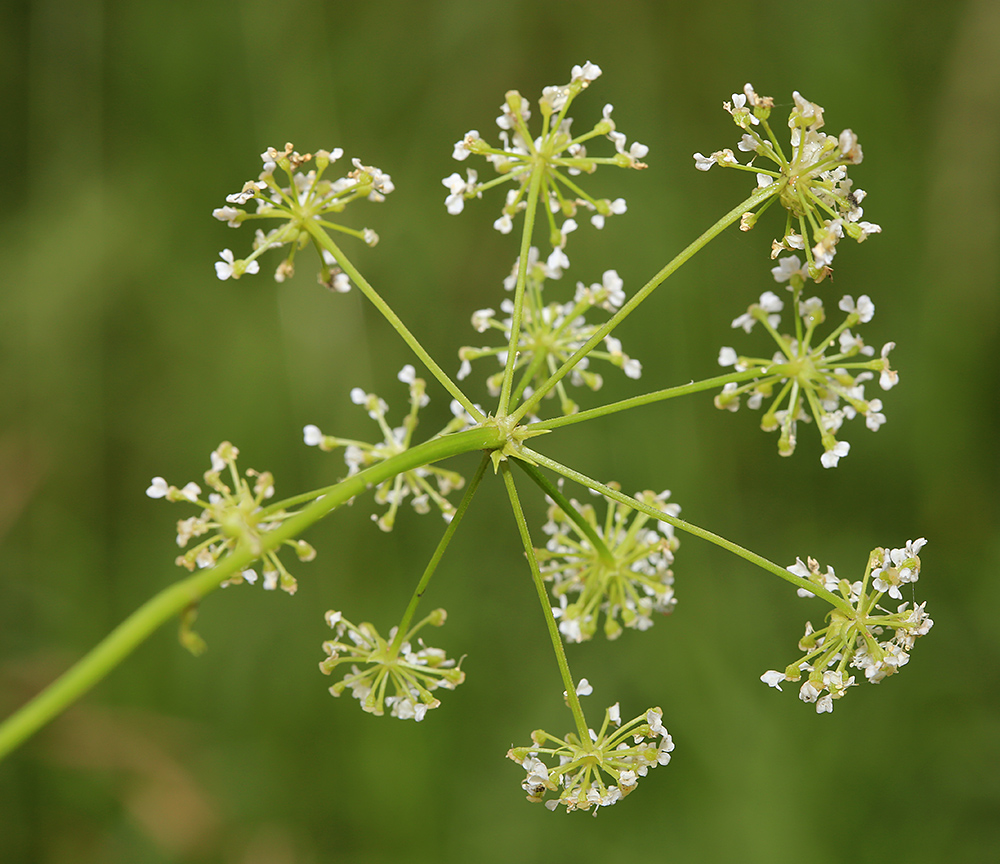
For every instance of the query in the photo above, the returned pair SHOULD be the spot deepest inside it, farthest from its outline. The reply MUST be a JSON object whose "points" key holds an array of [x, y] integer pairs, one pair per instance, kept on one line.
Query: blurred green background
{"points": [[124, 357]]}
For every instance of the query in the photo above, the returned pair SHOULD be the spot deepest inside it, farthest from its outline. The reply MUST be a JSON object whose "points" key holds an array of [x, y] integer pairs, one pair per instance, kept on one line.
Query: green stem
{"points": [[564, 504], [432, 565], [124, 639], [324, 241], [647, 399], [682, 525], [727, 220], [522, 274], [540, 356], [543, 597]]}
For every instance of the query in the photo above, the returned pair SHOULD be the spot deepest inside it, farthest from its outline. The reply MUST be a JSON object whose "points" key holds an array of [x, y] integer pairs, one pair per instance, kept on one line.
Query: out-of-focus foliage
{"points": [[125, 124]]}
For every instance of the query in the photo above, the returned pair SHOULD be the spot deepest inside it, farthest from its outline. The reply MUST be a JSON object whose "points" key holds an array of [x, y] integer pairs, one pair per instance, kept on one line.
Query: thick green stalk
{"points": [[128, 635], [679, 259]]}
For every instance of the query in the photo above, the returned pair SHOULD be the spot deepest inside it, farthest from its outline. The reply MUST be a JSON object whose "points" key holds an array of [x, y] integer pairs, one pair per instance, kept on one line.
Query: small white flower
{"points": [[808, 692], [311, 435], [461, 151], [584, 688], [788, 267], [865, 309], [229, 215], [557, 260], [587, 72], [654, 717], [632, 368], [702, 162], [158, 488], [832, 456], [825, 705], [773, 678], [224, 268], [771, 302], [888, 378], [727, 356], [250, 189]]}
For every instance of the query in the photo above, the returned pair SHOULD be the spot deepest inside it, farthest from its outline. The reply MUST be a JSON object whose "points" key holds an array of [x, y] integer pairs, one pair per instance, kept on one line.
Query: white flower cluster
{"points": [[412, 670], [551, 333], [613, 567], [234, 518], [851, 641], [417, 482], [555, 152], [812, 184], [307, 197], [620, 753], [809, 378]]}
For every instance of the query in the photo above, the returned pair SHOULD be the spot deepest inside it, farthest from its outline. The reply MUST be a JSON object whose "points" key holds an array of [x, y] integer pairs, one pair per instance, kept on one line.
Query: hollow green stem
{"points": [[543, 597], [124, 639], [689, 251], [324, 241], [697, 531]]}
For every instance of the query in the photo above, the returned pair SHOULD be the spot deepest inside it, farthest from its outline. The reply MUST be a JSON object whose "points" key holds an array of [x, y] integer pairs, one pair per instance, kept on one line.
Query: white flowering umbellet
{"points": [[232, 518], [598, 772], [417, 483], [413, 670], [308, 198], [811, 184], [551, 332], [809, 378], [555, 152], [852, 639], [615, 567]]}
